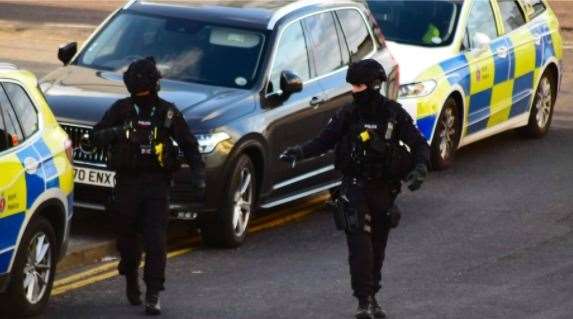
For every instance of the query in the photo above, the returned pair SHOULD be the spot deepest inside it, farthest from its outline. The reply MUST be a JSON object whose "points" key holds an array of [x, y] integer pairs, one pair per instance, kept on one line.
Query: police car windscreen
{"points": [[426, 23], [185, 50]]}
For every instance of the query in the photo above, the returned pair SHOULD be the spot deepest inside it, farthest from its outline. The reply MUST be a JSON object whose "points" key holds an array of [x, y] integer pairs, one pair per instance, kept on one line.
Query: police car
{"points": [[471, 69], [36, 193]]}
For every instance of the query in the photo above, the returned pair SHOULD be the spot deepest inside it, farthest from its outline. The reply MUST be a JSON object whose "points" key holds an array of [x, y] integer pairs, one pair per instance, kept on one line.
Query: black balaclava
{"points": [[368, 72], [142, 81]]}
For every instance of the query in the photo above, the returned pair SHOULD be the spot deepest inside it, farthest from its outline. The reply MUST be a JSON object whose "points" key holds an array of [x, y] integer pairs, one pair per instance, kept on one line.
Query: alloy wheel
{"points": [[38, 268], [544, 103], [243, 200]]}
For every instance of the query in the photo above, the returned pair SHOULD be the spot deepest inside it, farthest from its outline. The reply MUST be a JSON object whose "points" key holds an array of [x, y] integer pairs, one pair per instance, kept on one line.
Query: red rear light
{"points": [[15, 140], [68, 145]]}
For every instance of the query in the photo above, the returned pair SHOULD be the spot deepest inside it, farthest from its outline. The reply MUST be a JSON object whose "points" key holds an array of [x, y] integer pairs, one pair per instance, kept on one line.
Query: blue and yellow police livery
{"points": [[471, 69], [36, 193]]}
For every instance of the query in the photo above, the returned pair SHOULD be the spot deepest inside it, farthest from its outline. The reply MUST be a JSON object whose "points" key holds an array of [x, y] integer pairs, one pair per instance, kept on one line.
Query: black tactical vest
{"points": [[147, 145], [372, 150]]}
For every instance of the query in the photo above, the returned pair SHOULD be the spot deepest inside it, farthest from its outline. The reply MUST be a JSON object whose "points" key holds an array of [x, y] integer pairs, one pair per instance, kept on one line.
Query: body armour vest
{"points": [[372, 150], [145, 145]]}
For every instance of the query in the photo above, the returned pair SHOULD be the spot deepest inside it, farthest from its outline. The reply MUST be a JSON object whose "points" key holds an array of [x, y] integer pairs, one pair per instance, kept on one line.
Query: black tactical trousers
{"points": [[367, 246], [142, 213]]}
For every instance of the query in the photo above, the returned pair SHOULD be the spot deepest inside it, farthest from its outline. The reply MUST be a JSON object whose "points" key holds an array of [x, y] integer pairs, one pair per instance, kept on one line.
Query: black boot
{"points": [[363, 311], [152, 305], [132, 290], [376, 309]]}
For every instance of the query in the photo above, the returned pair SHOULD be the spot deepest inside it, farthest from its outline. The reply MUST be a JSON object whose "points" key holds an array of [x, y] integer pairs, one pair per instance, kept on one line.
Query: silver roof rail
{"points": [[128, 4], [8, 66]]}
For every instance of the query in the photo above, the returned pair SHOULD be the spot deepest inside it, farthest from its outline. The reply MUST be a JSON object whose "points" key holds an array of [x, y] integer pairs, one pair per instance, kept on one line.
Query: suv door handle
{"points": [[502, 52], [316, 101]]}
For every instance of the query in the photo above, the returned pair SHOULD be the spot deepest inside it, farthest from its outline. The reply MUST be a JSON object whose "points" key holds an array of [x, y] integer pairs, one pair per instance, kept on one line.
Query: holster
{"points": [[346, 217]]}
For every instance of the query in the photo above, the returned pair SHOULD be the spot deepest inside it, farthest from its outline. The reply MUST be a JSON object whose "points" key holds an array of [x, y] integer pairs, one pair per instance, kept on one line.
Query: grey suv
{"points": [[251, 78]]}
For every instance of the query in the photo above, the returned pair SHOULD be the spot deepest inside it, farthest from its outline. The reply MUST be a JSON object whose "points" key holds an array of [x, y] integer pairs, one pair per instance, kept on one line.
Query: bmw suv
{"points": [[250, 77]]}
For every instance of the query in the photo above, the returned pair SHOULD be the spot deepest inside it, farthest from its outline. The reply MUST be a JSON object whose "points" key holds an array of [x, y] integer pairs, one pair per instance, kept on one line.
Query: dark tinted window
{"points": [[292, 55], [356, 33], [511, 14], [538, 8], [419, 22], [10, 133], [25, 110], [481, 20], [322, 30], [185, 50]]}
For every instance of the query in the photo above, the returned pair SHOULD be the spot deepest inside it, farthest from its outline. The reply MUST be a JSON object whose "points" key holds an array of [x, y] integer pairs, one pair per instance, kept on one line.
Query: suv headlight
{"points": [[208, 142], [418, 89]]}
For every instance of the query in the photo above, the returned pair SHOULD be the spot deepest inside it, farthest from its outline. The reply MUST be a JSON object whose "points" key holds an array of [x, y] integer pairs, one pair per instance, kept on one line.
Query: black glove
{"points": [[292, 155], [416, 178], [109, 135]]}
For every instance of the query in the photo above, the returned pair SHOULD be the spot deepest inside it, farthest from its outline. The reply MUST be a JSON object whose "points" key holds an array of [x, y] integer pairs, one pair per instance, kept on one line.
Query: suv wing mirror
{"points": [[290, 83], [482, 41], [67, 52]]}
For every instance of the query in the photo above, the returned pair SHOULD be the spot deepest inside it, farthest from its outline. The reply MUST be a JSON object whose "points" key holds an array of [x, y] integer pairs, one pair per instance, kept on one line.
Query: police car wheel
{"points": [[447, 136], [541, 110], [230, 229], [33, 270]]}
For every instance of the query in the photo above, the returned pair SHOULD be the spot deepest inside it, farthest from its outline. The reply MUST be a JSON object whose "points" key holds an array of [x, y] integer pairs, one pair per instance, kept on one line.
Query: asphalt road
{"points": [[490, 238]]}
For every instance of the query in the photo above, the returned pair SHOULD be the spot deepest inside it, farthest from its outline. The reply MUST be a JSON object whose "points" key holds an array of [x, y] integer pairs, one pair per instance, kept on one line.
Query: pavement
{"points": [[490, 237]]}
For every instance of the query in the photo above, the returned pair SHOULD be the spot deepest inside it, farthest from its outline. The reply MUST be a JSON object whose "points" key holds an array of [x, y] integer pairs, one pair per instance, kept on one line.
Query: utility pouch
{"points": [[346, 217]]}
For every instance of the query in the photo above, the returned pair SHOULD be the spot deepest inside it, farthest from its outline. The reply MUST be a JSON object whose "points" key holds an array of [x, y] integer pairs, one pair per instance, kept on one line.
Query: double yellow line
{"points": [[109, 270]]}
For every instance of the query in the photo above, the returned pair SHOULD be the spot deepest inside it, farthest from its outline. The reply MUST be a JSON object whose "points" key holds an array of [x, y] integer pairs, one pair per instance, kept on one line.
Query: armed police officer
{"points": [[139, 133], [368, 137]]}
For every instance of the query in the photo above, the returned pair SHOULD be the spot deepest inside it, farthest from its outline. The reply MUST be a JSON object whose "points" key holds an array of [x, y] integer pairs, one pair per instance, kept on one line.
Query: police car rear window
{"points": [[24, 108], [538, 7]]}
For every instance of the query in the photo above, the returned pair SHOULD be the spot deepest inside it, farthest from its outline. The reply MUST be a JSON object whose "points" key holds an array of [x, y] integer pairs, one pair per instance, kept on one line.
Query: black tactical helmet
{"points": [[141, 76], [369, 72]]}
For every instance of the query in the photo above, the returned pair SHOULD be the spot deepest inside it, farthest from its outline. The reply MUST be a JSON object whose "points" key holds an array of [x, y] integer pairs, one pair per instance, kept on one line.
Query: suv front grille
{"points": [[75, 132]]}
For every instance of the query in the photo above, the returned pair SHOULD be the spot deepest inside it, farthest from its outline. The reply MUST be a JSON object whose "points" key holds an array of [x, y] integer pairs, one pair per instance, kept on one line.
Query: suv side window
{"points": [[292, 55], [327, 52], [512, 15], [481, 20], [356, 32], [10, 133], [25, 110]]}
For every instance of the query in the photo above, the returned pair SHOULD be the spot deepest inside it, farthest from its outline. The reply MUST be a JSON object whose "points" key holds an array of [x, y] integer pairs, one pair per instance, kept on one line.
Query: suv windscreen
{"points": [[430, 23], [185, 50]]}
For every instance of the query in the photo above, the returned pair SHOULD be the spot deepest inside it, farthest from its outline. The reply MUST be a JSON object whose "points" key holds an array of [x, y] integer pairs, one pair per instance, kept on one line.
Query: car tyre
{"points": [[33, 271], [447, 136], [541, 113], [230, 227]]}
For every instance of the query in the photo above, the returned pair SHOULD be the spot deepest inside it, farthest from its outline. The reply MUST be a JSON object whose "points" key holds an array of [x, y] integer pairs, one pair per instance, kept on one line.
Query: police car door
{"points": [[521, 43], [488, 67], [12, 184]]}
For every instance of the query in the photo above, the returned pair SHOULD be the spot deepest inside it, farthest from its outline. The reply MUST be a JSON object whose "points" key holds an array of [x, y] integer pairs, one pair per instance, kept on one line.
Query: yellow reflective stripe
{"points": [[556, 36], [501, 102], [523, 43], [482, 70], [12, 185], [432, 104]]}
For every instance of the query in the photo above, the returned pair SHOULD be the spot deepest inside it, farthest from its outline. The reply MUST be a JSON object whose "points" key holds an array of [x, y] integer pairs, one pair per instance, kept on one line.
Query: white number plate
{"points": [[95, 177]]}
